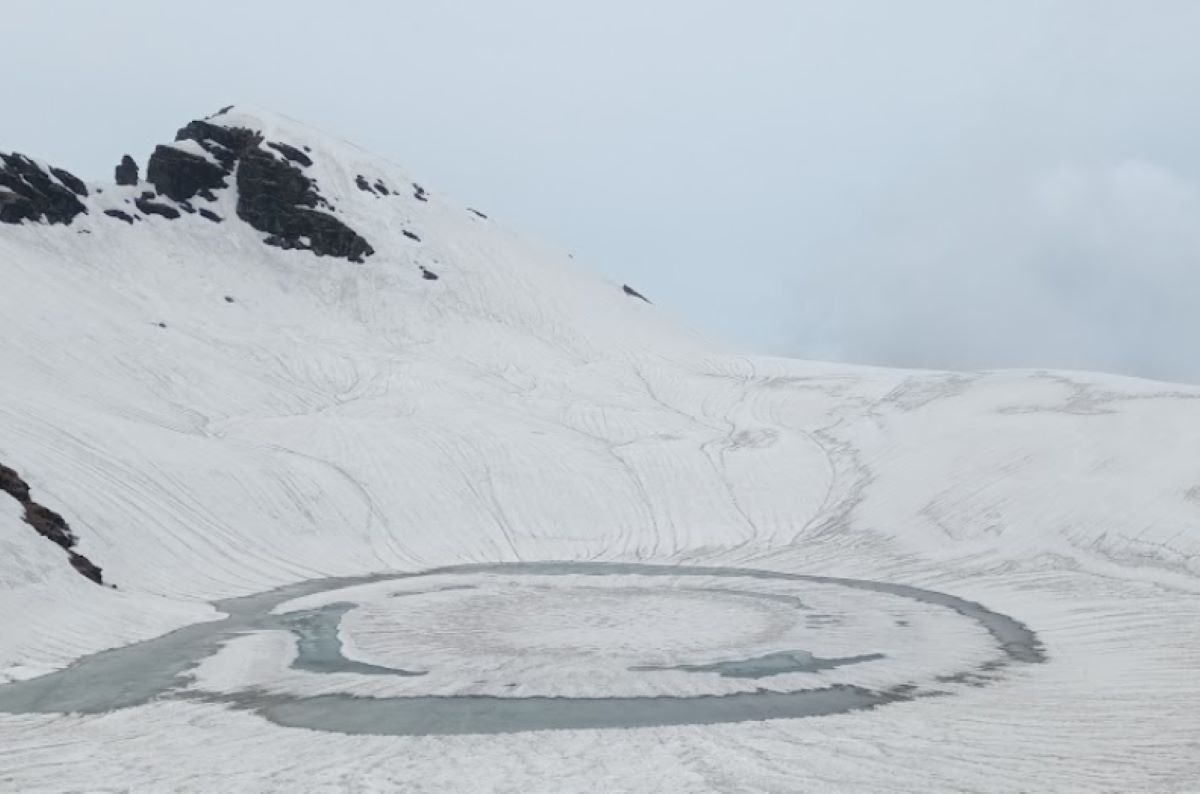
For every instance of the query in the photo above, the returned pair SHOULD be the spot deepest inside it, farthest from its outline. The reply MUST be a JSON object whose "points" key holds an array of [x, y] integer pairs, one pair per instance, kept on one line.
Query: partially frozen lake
{"points": [[500, 648]]}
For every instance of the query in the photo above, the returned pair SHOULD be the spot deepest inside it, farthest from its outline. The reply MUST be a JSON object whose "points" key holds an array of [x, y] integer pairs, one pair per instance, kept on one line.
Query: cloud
{"points": [[1082, 267]]}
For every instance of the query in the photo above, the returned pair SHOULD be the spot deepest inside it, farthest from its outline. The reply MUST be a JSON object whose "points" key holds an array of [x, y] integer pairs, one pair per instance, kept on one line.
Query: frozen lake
{"points": [[164, 668]]}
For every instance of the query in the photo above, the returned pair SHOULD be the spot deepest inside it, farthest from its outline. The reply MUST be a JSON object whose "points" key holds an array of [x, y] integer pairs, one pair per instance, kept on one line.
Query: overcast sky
{"points": [[955, 183]]}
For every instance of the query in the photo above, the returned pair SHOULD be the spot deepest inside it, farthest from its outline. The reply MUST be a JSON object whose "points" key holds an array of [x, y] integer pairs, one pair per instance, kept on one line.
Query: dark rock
{"points": [[291, 153], [382, 188], [73, 183], [477, 212], [226, 144], [155, 208], [419, 192], [180, 175], [127, 171], [631, 291], [120, 215], [274, 197], [229, 299], [411, 236], [187, 207], [12, 484], [223, 110], [210, 215], [86, 567], [32, 195], [428, 275], [162, 325], [47, 523], [363, 184]]}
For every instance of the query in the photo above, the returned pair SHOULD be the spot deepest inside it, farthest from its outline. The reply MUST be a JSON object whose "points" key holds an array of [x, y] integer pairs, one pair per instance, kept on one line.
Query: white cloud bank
{"points": [[1087, 267]]}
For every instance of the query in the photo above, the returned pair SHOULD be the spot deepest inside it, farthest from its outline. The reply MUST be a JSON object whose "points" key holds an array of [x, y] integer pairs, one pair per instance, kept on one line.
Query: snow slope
{"points": [[216, 417]]}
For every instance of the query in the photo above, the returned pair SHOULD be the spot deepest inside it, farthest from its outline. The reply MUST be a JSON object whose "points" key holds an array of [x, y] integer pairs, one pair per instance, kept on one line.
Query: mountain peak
{"points": [[276, 192], [266, 162]]}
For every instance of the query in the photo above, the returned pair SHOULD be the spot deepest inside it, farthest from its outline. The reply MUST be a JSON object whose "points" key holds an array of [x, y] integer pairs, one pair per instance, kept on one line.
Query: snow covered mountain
{"points": [[275, 358]]}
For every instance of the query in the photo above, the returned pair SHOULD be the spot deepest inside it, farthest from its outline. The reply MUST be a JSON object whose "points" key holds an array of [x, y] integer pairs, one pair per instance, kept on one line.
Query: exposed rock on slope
{"points": [[29, 192], [274, 195], [181, 175], [47, 523]]}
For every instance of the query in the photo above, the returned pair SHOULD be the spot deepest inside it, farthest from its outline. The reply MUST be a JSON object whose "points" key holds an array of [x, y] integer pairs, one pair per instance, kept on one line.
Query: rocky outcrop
{"points": [[275, 197], [226, 144], [30, 193], [180, 176], [47, 523], [70, 181], [126, 172], [274, 194]]}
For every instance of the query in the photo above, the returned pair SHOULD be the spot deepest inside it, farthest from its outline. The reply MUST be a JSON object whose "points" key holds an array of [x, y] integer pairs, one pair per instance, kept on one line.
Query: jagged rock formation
{"points": [[126, 172], [47, 523], [30, 193], [274, 195]]}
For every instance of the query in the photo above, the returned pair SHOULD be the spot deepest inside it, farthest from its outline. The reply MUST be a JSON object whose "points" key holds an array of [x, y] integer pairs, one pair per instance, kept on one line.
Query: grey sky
{"points": [[957, 183]]}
